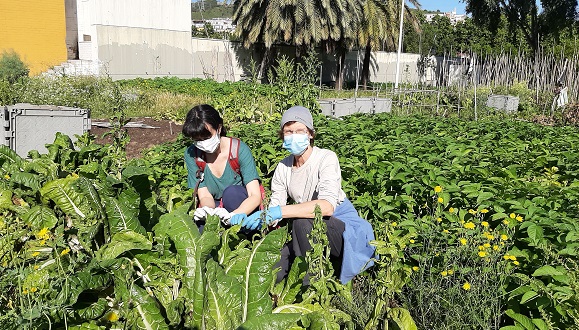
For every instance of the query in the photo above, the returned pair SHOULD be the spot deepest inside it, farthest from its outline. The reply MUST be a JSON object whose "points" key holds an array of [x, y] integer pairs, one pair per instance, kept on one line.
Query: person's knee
{"points": [[302, 227], [233, 196]]}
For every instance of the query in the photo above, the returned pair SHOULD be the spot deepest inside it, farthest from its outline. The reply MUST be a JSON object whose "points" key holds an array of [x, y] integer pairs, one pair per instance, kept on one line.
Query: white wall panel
{"points": [[152, 14]]}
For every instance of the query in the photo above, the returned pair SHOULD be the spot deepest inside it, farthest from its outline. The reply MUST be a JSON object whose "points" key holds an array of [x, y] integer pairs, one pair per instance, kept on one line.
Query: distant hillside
{"points": [[210, 9]]}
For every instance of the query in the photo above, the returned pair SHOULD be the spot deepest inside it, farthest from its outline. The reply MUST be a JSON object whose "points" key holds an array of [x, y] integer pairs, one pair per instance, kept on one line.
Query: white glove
{"points": [[202, 213], [223, 214]]}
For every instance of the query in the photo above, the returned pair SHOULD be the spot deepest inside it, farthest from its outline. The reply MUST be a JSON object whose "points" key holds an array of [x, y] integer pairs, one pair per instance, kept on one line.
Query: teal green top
{"points": [[229, 178]]}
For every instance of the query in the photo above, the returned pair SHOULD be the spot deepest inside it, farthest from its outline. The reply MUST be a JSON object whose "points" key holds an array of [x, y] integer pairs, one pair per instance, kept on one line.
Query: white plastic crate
{"points": [[30, 127], [382, 105], [508, 103]]}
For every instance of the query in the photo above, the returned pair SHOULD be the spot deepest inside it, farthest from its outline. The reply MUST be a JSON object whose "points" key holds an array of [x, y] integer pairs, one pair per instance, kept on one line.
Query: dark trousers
{"points": [[299, 244]]}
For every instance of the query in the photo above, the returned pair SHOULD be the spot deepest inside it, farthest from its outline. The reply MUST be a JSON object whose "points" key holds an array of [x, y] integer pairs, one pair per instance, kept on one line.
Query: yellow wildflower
{"points": [[42, 242], [487, 245], [495, 247], [65, 252], [484, 224], [469, 225], [112, 316], [482, 254], [44, 233], [513, 258], [512, 216], [36, 267], [25, 291], [445, 231], [504, 237], [451, 210], [33, 289], [481, 248], [412, 241], [466, 286], [516, 263], [450, 272], [506, 222], [519, 218], [444, 273], [34, 254], [463, 241], [394, 224], [439, 219], [415, 268], [484, 211], [440, 199], [506, 256], [437, 189], [471, 211], [6, 176], [489, 236]]}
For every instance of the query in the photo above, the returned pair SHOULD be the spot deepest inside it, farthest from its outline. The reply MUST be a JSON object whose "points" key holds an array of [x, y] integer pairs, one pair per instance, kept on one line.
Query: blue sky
{"points": [[443, 5]]}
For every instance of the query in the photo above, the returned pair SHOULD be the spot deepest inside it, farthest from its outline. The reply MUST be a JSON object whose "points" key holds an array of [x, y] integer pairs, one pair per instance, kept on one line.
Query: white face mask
{"points": [[210, 145]]}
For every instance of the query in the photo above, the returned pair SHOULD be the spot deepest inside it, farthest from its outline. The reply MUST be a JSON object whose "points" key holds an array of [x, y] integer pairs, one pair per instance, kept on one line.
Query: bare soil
{"points": [[141, 138]]}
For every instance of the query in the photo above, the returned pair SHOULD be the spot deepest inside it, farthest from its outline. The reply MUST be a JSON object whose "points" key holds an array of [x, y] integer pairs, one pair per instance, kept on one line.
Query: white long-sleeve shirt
{"points": [[319, 177]]}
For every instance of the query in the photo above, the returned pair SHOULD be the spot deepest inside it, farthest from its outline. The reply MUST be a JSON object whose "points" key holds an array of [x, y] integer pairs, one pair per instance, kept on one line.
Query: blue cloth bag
{"points": [[357, 236]]}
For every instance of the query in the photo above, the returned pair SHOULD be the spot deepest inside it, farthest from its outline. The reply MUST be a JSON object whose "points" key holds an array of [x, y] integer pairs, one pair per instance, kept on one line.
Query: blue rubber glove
{"points": [[237, 218], [272, 214]]}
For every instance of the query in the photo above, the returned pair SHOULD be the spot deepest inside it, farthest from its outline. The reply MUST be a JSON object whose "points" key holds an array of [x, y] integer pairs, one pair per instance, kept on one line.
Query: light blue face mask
{"points": [[297, 144]]}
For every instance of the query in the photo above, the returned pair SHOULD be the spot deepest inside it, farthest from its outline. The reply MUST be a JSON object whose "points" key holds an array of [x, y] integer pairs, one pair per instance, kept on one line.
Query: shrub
{"points": [[11, 67]]}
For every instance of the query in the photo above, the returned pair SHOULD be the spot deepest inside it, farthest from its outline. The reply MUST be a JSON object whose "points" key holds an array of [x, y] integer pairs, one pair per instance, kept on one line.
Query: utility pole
{"points": [[399, 45]]}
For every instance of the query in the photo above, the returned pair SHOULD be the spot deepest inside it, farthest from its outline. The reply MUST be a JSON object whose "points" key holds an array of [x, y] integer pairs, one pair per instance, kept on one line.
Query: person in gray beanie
{"points": [[311, 176]]}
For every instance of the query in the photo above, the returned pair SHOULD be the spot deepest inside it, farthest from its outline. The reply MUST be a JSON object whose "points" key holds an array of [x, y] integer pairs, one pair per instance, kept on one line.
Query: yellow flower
{"points": [[484, 224], [482, 254], [34, 254], [495, 247], [440, 199], [439, 219], [43, 233], [6, 176], [463, 241], [112, 317], [506, 256], [471, 211], [481, 248], [513, 258], [466, 286], [469, 225], [444, 273], [412, 241], [506, 222], [74, 175], [489, 236], [504, 237], [42, 242], [394, 224], [516, 263], [65, 252], [437, 189], [519, 218], [512, 216], [445, 231], [487, 245], [484, 211], [451, 210], [36, 267], [450, 272], [33, 289], [415, 268], [24, 291]]}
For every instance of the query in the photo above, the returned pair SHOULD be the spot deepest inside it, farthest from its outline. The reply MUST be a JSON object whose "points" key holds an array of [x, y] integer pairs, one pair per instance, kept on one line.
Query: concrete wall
{"points": [[35, 30]]}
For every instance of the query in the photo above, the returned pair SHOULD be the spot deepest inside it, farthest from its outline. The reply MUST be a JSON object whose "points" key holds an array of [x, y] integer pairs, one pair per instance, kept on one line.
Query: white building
{"points": [[453, 16], [218, 24]]}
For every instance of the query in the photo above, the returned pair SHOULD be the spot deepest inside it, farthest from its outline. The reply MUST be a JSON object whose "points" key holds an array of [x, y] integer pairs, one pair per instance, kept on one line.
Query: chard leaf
{"points": [[5, 199], [402, 318], [40, 217], [123, 242], [9, 159], [293, 283], [75, 285], [145, 314], [254, 272], [271, 322], [223, 298], [122, 213], [63, 194], [29, 180]]}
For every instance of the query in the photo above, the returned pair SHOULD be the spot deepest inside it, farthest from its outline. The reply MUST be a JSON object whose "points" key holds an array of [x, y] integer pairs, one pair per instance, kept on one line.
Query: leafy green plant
{"points": [[12, 68]]}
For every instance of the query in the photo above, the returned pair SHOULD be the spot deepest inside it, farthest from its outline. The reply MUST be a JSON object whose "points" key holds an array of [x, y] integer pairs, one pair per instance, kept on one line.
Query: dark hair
{"points": [[197, 117]]}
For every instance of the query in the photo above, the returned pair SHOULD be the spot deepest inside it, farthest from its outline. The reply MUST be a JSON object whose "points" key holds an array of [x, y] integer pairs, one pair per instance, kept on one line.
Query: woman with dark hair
{"points": [[221, 170], [311, 176]]}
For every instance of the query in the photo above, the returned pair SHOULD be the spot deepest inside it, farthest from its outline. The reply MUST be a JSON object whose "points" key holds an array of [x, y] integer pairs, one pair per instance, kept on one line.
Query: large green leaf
{"points": [[91, 195], [254, 272], [75, 285], [62, 192], [271, 322], [29, 180], [223, 298], [547, 271], [289, 288], [5, 199], [122, 242], [122, 213], [145, 314], [9, 159], [402, 318], [193, 249], [521, 319], [40, 217]]}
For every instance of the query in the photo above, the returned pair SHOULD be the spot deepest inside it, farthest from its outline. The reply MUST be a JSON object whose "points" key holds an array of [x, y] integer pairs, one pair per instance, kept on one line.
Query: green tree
{"points": [[525, 16], [379, 24], [11, 67], [327, 23]]}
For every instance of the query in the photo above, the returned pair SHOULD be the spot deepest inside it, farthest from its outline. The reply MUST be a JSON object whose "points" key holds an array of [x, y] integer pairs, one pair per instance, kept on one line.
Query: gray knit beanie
{"points": [[299, 114]]}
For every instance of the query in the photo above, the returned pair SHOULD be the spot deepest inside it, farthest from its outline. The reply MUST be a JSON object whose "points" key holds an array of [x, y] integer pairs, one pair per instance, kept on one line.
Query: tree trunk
{"points": [[366, 65], [340, 68], [263, 63]]}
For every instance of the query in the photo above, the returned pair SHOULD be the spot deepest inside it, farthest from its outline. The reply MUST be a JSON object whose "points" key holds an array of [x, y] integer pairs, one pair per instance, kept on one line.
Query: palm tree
{"points": [[303, 23], [379, 25]]}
